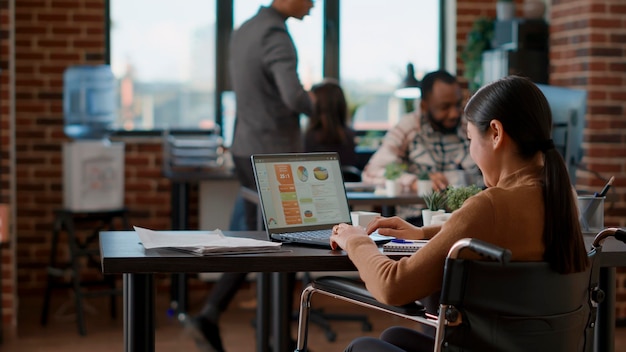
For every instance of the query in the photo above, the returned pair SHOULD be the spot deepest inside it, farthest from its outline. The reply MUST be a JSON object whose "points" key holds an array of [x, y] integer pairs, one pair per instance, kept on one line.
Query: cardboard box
{"points": [[93, 175]]}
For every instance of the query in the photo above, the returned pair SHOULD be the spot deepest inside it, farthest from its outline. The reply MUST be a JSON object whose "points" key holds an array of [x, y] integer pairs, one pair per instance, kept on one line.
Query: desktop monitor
{"points": [[568, 107]]}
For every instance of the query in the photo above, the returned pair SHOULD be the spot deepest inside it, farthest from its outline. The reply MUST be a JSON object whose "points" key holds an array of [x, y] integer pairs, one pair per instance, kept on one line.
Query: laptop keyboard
{"points": [[309, 235]]}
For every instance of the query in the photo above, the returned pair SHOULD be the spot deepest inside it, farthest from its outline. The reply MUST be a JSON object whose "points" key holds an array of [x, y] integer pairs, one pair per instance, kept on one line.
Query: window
{"points": [[378, 40], [164, 55], [306, 34]]}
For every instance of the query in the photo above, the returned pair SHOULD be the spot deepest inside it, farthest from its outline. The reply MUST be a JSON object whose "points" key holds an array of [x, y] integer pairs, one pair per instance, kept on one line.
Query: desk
{"points": [[387, 203], [123, 253], [179, 195]]}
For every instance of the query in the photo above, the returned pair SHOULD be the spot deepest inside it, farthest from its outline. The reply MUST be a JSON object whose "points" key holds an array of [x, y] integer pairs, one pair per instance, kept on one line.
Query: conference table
{"points": [[122, 253], [358, 194]]}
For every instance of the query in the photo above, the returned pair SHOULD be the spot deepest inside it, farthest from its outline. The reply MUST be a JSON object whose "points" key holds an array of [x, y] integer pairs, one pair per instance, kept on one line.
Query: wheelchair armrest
{"points": [[355, 289], [618, 233], [482, 248]]}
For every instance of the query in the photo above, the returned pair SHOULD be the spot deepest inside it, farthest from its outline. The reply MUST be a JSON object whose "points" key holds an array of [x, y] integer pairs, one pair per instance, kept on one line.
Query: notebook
{"points": [[302, 196], [404, 245]]}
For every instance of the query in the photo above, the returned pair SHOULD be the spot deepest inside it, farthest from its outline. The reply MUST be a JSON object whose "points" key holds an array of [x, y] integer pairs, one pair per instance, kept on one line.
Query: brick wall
{"points": [[7, 253], [588, 42], [588, 51], [49, 36]]}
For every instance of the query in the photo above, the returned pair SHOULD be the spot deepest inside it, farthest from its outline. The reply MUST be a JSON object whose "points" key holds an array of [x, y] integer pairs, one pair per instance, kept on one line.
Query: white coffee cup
{"points": [[438, 219], [363, 218]]}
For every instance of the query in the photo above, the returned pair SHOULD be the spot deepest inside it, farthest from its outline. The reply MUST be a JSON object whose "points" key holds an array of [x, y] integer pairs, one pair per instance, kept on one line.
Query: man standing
{"points": [[269, 101], [430, 140], [269, 95]]}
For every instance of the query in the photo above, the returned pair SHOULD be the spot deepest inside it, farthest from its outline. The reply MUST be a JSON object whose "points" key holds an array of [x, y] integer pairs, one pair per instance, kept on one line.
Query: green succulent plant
{"points": [[435, 200], [393, 171], [424, 176], [456, 196]]}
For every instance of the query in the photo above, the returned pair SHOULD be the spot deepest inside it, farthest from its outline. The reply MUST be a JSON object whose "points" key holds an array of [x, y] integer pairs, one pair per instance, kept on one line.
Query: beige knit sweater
{"points": [[510, 215]]}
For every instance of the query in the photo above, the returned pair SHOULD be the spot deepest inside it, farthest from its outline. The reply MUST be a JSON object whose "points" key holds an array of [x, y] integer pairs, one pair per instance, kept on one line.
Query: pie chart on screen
{"points": [[303, 174], [320, 173]]}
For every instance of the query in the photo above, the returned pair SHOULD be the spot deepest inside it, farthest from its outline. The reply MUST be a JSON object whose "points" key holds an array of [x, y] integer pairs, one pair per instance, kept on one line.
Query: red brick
{"points": [[57, 17]]}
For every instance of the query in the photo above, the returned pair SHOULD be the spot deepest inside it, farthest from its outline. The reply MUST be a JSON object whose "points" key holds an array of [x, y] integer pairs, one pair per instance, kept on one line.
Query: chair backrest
{"points": [[518, 306], [350, 173]]}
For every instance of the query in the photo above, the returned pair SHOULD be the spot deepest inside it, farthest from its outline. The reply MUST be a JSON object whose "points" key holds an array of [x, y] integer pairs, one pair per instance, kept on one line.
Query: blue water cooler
{"points": [[89, 101], [93, 166]]}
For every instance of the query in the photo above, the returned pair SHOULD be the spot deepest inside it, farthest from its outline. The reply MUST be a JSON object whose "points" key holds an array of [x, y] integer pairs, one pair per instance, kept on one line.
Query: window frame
{"points": [[224, 28]]}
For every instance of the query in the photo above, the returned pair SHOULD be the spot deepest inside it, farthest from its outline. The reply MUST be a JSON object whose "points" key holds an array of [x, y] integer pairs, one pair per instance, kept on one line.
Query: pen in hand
{"points": [[605, 190]]}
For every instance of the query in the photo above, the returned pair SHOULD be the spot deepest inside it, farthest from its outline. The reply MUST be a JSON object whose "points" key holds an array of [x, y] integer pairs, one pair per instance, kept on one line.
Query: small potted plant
{"points": [[478, 41], [456, 196], [435, 204], [393, 171], [424, 184]]}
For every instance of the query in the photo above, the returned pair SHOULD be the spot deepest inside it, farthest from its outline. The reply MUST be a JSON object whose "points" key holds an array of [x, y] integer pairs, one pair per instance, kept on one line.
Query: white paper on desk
{"points": [[202, 243]]}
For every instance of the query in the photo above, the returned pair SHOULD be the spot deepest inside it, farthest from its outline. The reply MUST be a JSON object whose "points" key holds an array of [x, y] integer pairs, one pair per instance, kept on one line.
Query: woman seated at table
{"points": [[510, 133], [328, 129]]}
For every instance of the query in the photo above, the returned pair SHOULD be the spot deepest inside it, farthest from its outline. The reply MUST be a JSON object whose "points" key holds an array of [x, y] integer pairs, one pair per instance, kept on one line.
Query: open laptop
{"points": [[302, 196]]}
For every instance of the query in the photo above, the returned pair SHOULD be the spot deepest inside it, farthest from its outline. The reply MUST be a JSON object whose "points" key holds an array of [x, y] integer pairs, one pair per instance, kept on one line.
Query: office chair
{"points": [[493, 305], [350, 173], [322, 319]]}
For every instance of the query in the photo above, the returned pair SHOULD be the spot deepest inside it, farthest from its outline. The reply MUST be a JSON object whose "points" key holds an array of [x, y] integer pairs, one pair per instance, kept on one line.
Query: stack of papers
{"points": [[203, 243]]}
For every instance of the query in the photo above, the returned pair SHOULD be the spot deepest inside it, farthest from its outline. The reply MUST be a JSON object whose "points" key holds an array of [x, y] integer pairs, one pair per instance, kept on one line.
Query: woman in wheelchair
{"points": [[528, 207]]}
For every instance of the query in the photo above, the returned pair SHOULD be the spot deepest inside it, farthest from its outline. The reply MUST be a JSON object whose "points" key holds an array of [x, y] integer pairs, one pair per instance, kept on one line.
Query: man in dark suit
{"points": [[269, 101]]}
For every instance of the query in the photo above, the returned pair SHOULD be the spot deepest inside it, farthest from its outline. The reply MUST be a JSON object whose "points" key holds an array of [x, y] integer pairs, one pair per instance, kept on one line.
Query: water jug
{"points": [[89, 105]]}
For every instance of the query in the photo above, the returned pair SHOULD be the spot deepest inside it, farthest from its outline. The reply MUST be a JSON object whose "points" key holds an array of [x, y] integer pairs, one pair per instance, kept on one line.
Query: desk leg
{"points": [[281, 315], [179, 210], [138, 312], [605, 327], [263, 312]]}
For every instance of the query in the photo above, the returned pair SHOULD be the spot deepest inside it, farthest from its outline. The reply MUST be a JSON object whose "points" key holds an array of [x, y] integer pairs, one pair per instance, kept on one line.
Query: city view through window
{"points": [[164, 58]]}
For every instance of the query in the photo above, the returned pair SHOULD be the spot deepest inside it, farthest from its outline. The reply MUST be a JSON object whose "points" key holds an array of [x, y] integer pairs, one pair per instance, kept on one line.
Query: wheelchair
{"points": [[492, 304]]}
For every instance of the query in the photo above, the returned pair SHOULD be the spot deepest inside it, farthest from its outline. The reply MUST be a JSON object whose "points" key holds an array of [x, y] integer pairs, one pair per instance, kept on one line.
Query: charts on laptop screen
{"points": [[301, 190]]}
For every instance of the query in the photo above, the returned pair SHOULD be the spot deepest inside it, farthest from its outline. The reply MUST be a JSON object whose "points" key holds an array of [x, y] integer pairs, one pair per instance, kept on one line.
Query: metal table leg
{"points": [[263, 312], [281, 313], [605, 327], [138, 312]]}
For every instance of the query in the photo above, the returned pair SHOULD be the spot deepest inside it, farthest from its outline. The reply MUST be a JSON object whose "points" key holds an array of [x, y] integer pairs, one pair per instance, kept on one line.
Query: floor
{"points": [[105, 333]]}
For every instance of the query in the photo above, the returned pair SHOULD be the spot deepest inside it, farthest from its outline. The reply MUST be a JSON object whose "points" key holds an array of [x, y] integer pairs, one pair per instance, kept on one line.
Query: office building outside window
{"points": [[164, 55], [377, 41]]}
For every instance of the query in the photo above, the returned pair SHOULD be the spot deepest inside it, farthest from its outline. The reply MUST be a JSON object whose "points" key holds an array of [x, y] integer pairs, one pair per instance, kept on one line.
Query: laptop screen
{"points": [[301, 191]]}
